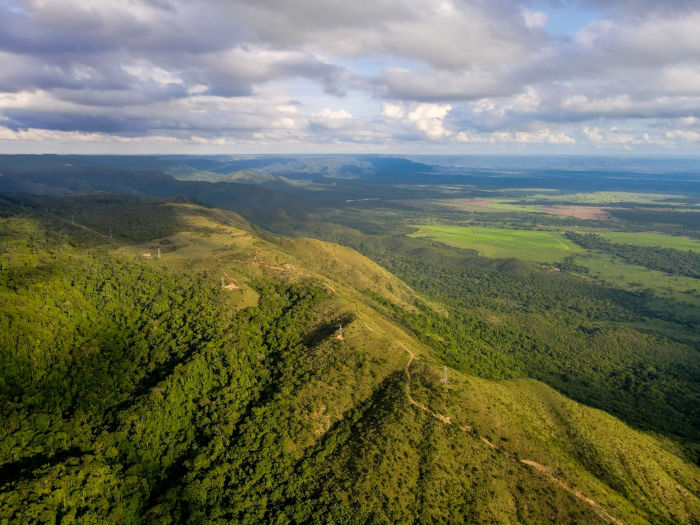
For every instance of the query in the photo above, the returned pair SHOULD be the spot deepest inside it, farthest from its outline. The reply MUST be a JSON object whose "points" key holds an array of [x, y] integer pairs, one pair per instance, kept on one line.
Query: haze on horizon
{"points": [[390, 76]]}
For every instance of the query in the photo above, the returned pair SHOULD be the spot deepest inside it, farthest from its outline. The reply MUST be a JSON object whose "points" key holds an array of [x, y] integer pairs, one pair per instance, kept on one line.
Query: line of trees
{"points": [[655, 258]]}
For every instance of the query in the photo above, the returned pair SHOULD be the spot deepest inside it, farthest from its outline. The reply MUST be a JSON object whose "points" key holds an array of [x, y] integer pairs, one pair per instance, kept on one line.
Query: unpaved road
{"points": [[542, 469]]}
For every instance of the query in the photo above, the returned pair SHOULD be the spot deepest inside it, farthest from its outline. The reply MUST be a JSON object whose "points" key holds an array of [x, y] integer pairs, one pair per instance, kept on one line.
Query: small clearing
{"points": [[579, 212]]}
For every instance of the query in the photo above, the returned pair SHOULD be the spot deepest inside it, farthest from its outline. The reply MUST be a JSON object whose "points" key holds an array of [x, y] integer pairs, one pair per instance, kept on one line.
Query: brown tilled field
{"points": [[580, 212]]}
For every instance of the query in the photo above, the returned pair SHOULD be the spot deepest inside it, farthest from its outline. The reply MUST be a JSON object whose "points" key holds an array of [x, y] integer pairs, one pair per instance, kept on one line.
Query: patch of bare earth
{"points": [[580, 212], [458, 204], [232, 285]]}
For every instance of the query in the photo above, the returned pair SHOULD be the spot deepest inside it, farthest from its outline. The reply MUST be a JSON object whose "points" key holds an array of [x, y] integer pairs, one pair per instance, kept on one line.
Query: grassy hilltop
{"points": [[164, 362]]}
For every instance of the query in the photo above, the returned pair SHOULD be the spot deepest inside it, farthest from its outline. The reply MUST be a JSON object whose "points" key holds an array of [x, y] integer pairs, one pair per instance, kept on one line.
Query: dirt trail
{"points": [[83, 227], [547, 471], [232, 284], [444, 419], [542, 469]]}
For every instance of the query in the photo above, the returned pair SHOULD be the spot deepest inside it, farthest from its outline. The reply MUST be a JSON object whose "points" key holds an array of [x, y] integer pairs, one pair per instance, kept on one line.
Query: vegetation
{"points": [[664, 259], [607, 267], [688, 219], [573, 335], [654, 240], [541, 246], [164, 362]]}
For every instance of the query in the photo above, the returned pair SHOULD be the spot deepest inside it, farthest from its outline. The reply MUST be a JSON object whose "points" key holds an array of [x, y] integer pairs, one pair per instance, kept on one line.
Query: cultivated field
{"points": [[540, 246], [512, 206], [633, 277], [580, 212], [652, 239], [607, 197]]}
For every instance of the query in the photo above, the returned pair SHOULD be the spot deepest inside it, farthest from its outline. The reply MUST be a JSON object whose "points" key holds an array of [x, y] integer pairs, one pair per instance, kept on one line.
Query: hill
{"points": [[170, 364], [53, 175]]}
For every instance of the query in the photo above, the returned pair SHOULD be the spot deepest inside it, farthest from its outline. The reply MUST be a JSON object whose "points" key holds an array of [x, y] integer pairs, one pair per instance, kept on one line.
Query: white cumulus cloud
{"points": [[332, 119], [428, 118], [540, 136]]}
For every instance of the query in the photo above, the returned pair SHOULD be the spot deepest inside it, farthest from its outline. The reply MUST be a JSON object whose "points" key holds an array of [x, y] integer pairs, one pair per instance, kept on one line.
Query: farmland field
{"points": [[482, 205], [606, 197], [540, 246], [631, 276], [652, 239]]}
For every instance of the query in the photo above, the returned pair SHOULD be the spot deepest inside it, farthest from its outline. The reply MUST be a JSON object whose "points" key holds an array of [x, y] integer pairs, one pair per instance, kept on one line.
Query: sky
{"points": [[324, 76]]}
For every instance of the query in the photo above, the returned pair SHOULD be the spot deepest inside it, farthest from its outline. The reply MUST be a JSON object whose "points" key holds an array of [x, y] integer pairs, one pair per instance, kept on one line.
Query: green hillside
{"points": [[177, 366]]}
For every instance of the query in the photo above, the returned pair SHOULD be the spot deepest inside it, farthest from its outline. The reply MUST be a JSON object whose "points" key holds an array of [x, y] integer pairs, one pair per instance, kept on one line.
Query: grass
{"points": [[540, 246], [533, 420], [652, 239], [606, 197], [633, 277], [526, 419], [555, 197], [354, 444], [220, 244], [483, 205]]}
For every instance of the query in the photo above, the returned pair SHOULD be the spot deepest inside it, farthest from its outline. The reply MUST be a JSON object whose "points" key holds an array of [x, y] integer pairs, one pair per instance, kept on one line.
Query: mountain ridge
{"points": [[331, 424]]}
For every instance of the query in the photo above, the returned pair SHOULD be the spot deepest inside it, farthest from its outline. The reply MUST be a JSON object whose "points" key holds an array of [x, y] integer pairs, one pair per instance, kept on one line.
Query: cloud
{"points": [[391, 110], [443, 33], [534, 19], [428, 118], [684, 134], [526, 102], [615, 137], [623, 105], [541, 136], [332, 119], [222, 70], [608, 105]]}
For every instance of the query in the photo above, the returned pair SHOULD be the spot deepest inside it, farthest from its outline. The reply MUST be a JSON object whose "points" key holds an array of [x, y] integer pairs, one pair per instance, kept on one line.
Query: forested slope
{"points": [[630, 353], [144, 388]]}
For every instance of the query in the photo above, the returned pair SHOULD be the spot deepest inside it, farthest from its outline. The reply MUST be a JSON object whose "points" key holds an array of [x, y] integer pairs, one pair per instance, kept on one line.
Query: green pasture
{"points": [[605, 197], [632, 277], [493, 205], [529, 245], [554, 197], [652, 239]]}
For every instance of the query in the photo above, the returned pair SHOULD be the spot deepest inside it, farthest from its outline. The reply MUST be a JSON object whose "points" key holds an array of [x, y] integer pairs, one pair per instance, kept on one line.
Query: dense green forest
{"points": [[510, 320], [138, 389], [85, 336]]}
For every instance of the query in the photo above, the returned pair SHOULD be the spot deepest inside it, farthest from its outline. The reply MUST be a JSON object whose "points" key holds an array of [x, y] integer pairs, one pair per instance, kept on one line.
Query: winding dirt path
{"points": [[547, 472], [542, 469], [83, 227], [441, 417]]}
